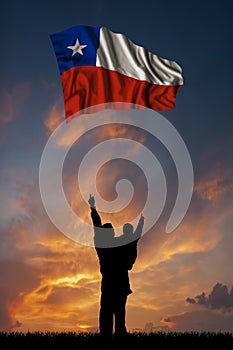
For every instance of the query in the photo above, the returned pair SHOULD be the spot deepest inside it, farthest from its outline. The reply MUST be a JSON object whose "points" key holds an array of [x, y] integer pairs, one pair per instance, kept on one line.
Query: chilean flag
{"points": [[98, 66]]}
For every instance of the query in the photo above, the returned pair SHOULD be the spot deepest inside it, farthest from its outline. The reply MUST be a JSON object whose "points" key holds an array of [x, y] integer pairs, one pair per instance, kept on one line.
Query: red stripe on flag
{"points": [[87, 86]]}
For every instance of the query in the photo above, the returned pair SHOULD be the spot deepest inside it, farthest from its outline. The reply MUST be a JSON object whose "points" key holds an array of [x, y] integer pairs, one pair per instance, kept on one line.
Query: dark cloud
{"points": [[202, 299], [201, 321], [17, 324], [191, 300], [219, 298]]}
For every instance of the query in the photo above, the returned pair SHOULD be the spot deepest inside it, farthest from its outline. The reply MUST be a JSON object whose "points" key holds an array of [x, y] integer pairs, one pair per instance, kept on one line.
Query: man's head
{"points": [[110, 230], [128, 229]]}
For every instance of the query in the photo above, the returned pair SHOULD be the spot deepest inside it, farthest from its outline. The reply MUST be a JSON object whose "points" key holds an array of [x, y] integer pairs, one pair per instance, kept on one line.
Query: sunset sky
{"points": [[180, 281]]}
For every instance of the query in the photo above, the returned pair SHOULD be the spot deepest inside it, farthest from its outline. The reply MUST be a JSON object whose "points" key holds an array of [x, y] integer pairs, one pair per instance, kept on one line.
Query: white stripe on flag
{"points": [[116, 52]]}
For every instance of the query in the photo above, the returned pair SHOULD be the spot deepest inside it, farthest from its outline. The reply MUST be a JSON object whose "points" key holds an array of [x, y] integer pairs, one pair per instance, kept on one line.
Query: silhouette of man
{"points": [[116, 257]]}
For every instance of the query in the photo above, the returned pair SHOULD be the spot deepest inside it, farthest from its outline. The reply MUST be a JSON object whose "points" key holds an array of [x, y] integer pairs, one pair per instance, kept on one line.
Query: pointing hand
{"points": [[91, 201]]}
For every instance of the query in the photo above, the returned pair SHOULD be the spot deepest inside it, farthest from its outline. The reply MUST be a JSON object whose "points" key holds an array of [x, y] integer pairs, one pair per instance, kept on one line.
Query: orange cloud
{"points": [[104, 132], [214, 187], [194, 235], [56, 117], [65, 275], [68, 284]]}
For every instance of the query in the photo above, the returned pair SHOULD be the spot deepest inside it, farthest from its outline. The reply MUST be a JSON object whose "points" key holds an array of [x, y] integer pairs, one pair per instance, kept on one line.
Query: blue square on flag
{"points": [[76, 46]]}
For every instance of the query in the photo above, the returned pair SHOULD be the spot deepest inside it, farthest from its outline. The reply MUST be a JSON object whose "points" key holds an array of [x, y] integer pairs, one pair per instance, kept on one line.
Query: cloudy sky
{"points": [[181, 281]]}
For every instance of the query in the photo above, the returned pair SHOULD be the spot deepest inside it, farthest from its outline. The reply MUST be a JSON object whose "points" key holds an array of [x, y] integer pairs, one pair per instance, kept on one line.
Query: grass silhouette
{"points": [[85, 339]]}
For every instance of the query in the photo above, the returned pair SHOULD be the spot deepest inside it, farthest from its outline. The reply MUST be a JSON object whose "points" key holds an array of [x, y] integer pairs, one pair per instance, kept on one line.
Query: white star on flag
{"points": [[77, 48]]}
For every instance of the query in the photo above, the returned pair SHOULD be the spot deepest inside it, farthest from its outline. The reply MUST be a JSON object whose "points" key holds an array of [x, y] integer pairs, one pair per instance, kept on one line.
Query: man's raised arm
{"points": [[138, 231], [96, 220]]}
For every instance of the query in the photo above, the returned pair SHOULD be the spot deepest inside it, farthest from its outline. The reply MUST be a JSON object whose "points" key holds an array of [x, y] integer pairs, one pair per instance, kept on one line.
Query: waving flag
{"points": [[98, 66]]}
